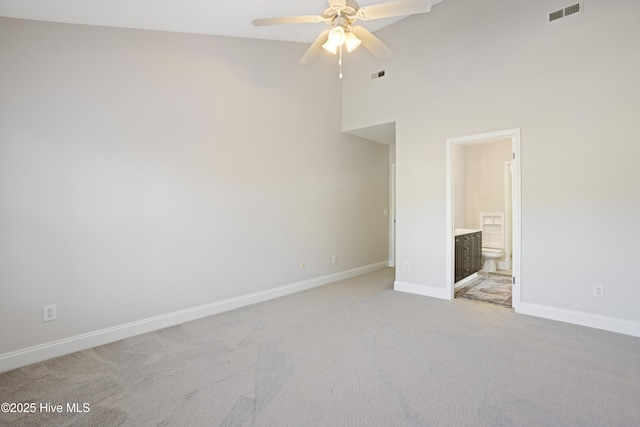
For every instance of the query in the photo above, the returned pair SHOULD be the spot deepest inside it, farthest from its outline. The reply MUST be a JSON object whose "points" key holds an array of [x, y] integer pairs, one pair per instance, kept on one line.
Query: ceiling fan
{"points": [[340, 16]]}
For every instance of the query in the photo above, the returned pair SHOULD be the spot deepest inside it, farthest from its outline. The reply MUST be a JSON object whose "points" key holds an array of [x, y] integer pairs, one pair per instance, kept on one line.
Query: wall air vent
{"points": [[378, 74], [556, 15], [572, 9], [563, 13]]}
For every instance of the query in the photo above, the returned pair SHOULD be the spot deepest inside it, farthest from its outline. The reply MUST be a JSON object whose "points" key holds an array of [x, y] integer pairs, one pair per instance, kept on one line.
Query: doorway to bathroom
{"points": [[483, 195]]}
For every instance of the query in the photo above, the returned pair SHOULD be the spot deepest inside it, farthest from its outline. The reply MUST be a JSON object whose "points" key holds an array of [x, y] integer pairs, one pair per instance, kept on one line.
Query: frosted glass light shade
{"points": [[330, 47], [352, 42], [337, 36]]}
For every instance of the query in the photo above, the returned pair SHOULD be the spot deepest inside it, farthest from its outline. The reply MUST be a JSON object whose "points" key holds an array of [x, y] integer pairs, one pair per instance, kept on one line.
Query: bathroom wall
{"points": [[485, 184], [478, 183], [485, 179]]}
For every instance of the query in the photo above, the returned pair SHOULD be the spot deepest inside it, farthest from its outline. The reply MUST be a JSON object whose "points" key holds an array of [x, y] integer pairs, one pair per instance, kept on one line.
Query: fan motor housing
{"points": [[350, 9]]}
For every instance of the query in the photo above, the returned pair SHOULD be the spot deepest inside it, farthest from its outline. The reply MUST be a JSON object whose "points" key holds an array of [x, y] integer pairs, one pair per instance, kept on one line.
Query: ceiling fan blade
{"points": [[372, 43], [303, 19], [315, 49], [394, 8]]}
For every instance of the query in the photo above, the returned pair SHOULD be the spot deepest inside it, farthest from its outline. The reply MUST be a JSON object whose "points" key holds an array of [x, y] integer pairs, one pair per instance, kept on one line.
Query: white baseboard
{"points": [[427, 291], [50, 350], [612, 324], [607, 323], [464, 281]]}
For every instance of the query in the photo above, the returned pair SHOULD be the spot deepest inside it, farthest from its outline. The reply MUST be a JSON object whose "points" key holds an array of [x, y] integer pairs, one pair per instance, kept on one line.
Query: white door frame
{"points": [[514, 134], [392, 215], [508, 217]]}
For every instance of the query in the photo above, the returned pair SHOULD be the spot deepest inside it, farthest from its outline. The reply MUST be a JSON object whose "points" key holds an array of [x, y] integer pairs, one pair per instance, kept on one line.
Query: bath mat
{"points": [[489, 288]]}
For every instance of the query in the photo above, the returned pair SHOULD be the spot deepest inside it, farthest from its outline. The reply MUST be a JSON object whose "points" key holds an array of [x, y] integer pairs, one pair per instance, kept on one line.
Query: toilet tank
{"points": [[492, 226]]}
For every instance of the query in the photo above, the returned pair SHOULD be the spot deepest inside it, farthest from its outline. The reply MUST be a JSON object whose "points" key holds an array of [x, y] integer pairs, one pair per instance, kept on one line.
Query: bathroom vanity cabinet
{"points": [[468, 259]]}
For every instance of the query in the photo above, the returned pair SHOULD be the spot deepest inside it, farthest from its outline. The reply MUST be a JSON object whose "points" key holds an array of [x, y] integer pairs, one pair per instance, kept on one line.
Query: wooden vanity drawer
{"points": [[468, 254]]}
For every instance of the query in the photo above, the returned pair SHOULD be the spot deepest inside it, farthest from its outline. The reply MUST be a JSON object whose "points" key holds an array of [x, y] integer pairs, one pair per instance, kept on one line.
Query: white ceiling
{"points": [[215, 17]]}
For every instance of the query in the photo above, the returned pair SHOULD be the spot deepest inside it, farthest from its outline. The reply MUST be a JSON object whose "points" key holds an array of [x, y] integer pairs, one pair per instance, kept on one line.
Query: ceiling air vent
{"points": [[563, 13]]}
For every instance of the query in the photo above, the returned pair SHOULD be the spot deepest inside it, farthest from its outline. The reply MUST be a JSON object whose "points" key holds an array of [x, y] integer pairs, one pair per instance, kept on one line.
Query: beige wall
{"points": [[471, 67], [485, 179], [460, 186], [144, 173]]}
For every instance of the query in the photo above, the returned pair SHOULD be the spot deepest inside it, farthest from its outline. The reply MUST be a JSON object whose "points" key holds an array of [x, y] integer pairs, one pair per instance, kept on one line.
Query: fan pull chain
{"points": [[340, 62]]}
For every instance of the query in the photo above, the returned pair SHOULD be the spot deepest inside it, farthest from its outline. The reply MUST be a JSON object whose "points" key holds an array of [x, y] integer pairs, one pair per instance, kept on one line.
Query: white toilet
{"points": [[492, 225]]}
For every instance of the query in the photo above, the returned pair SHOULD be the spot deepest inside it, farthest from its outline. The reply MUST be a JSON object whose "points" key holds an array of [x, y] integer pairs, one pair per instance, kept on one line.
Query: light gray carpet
{"points": [[353, 353]]}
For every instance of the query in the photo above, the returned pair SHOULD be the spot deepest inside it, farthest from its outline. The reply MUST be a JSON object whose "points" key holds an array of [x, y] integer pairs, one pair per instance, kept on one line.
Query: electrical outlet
{"points": [[49, 313], [598, 291], [406, 266], [334, 259], [303, 265]]}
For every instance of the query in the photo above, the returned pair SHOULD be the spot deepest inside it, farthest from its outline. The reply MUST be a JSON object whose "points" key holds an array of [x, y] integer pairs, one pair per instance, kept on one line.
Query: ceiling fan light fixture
{"points": [[330, 47], [337, 35], [352, 42], [341, 15], [336, 38]]}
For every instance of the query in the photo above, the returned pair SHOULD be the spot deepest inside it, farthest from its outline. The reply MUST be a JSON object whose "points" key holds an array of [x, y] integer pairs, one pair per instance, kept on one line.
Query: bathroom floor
{"points": [[492, 288]]}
